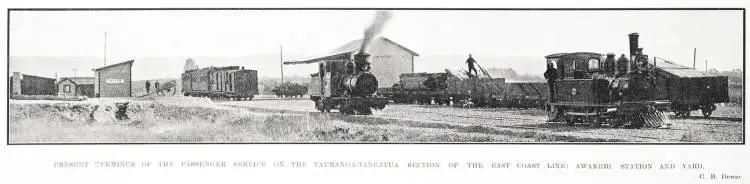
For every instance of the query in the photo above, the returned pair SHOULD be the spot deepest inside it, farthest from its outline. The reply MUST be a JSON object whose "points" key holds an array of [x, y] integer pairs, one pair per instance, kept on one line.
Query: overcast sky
{"points": [[490, 34]]}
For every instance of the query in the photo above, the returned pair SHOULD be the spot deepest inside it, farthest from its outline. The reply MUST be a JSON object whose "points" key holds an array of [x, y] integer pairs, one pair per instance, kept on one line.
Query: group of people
{"points": [[148, 86]]}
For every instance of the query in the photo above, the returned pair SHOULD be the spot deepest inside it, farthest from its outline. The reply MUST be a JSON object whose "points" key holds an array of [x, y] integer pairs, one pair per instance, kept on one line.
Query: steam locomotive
{"points": [[590, 88], [231, 82], [346, 85]]}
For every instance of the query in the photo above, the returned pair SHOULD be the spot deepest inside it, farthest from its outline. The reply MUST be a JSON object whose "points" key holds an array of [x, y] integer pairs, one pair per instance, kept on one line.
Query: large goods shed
{"points": [[388, 59]]}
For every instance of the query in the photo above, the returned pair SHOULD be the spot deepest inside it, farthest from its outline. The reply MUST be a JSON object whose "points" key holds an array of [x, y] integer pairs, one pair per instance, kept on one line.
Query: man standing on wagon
{"points": [[471, 62]]}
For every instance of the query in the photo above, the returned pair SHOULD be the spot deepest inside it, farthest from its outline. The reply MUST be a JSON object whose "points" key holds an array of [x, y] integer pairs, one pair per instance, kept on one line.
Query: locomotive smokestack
{"points": [[633, 44], [360, 61], [381, 17]]}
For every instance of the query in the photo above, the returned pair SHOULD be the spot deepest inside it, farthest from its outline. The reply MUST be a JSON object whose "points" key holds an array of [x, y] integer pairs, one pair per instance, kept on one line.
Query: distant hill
{"points": [[510, 75], [735, 80]]}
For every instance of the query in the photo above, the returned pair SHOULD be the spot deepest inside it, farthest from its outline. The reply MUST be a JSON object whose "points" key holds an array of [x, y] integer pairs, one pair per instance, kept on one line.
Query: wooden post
{"points": [[105, 48], [694, 51], [281, 62]]}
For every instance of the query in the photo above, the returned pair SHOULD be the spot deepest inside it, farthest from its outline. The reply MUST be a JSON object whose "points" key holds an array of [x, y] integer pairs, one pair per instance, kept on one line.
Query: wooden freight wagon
{"points": [[526, 95], [486, 91], [689, 89]]}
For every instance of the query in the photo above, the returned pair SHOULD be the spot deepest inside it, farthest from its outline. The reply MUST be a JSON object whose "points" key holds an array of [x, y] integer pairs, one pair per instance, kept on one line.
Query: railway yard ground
{"points": [[268, 119]]}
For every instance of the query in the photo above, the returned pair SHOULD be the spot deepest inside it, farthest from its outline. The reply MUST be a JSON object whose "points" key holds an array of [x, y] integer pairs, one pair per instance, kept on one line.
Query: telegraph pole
{"points": [[694, 51], [281, 64], [706, 65], [74, 73], [105, 48]]}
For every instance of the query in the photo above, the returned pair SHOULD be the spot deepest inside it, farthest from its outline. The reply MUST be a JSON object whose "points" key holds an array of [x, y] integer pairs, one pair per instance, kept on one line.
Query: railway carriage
{"points": [[232, 82]]}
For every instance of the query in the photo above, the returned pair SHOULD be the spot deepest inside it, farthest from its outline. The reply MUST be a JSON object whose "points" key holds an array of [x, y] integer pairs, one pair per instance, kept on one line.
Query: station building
{"points": [[388, 59], [76, 86], [114, 80]]}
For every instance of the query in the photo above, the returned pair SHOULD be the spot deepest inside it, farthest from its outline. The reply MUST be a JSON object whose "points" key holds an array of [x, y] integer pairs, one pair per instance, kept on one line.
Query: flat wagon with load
{"points": [[447, 88]]}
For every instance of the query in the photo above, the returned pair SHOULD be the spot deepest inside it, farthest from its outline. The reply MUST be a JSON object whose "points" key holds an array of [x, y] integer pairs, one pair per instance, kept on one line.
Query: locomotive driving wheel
{"points": [[595, 121], [321, 106], [614, 123], [364, 111], [346, 108], [708, 109]]}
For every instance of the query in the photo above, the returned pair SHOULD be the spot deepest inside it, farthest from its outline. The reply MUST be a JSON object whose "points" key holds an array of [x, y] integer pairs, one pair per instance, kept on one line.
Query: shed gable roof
{"points": [[78, 80], [345, 51], [353, 46], [117, 64]]}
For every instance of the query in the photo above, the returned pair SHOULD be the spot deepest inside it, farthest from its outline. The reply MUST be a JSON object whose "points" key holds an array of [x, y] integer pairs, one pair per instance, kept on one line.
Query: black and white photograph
{"points": [[375, 75]]}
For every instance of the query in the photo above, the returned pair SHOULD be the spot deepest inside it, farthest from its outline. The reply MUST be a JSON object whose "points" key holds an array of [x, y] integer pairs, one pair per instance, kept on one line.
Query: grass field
{"points": [[159, 121]]}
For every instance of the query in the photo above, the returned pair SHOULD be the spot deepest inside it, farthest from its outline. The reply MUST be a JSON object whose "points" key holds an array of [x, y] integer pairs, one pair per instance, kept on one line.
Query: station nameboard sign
{"points": [[115, 81]]}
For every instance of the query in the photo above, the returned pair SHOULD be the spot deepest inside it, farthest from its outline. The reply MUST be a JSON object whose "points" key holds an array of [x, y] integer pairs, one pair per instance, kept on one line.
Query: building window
{"points": [[593, 64], [66, 88]]}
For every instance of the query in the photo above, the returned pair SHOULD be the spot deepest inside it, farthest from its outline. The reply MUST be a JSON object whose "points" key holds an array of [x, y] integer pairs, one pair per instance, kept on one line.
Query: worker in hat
{"points": [[470, 62]]}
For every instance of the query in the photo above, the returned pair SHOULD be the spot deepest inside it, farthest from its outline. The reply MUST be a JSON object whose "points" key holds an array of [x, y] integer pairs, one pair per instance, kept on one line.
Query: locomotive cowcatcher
{"points": [[346, 85]]}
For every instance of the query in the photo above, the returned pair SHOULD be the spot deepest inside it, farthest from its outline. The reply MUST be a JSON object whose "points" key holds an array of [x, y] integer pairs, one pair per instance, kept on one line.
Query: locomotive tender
{"points": [[593, 89], [231, 82], [346, 85]]}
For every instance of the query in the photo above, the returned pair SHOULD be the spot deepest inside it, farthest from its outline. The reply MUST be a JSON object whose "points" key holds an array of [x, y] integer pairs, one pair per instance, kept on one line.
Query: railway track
{"points": [[510, 122], [549, 126], [550, 129]]}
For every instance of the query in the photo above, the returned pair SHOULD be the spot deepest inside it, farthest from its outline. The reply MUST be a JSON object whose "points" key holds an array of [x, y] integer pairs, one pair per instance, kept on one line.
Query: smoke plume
{"points": [[381, 17]]}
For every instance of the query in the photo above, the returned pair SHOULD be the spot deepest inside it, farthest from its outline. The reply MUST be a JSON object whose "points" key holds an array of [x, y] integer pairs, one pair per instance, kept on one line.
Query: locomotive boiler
{"points": [[346, 85]]}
